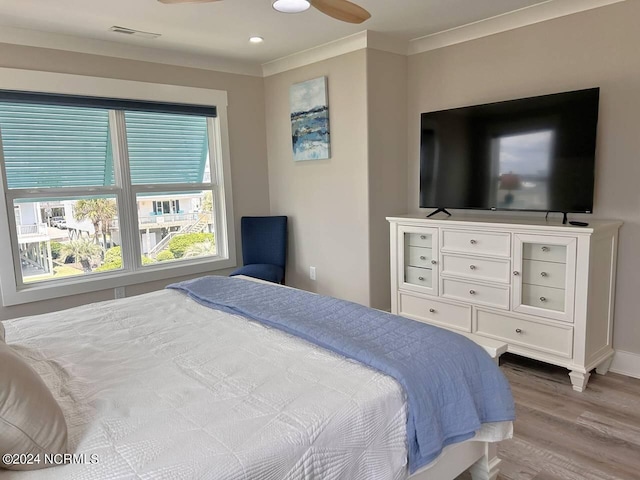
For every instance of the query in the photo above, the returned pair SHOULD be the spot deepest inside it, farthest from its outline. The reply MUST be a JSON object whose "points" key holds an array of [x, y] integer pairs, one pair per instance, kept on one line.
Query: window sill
{"points": [[105, 281]]}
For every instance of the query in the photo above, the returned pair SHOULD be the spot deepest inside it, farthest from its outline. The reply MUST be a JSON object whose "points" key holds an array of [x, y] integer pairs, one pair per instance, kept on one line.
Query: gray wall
{"points": [[386, 113], [337, 207], [326, 200], [593, 48]]}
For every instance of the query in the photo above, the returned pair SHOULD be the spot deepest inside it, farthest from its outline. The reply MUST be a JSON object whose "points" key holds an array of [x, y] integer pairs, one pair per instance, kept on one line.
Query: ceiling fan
{"points": [[339, 9]]}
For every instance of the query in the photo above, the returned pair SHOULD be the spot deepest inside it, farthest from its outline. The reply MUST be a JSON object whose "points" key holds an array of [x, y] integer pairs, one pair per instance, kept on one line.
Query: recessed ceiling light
{"points": [[291, 6], [256, 39]]}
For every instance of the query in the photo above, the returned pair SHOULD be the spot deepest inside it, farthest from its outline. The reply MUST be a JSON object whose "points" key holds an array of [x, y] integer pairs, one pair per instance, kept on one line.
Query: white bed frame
{"points": [[480, 458]]}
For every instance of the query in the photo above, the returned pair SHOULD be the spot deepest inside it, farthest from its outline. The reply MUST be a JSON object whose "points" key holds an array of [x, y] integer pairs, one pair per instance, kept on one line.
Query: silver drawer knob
{"points": [[472, 292], [544, 274], [545, 249], [516, 273], [422, 257], [472, 267], [472, 242], [518, 330], [433, 262], [423, 237], [421, 279], [543, 299], [432, 310]]}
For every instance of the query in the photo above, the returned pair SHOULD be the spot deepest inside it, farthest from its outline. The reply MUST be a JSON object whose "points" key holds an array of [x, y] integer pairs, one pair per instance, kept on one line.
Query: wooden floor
{"points": [[560, 434]]}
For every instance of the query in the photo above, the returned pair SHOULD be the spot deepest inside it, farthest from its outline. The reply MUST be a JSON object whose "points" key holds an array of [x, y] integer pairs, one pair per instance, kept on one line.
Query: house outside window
{"points": [[138, 193]]}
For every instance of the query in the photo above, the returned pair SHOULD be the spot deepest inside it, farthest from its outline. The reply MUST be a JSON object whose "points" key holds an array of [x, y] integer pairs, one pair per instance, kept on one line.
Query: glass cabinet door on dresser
{"points": [[544, 276], [417, 259]]}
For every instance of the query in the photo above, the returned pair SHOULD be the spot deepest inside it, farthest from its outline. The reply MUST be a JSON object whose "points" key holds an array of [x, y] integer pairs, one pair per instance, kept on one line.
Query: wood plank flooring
{"points": [[560, 434]]}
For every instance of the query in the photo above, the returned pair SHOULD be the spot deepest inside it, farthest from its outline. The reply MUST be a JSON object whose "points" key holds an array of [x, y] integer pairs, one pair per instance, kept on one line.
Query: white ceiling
{"points": [[220, 30]]}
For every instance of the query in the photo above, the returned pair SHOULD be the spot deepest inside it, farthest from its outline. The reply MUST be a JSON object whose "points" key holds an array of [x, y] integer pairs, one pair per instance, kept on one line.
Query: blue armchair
{"points": [[264, 248]]}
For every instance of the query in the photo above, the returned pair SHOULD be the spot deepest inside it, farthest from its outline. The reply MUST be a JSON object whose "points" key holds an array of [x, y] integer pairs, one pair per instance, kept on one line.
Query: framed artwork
{"points": [[310, 120]]}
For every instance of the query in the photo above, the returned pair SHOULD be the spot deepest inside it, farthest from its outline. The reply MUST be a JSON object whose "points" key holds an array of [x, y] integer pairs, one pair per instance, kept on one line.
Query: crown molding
{"points": [[34, 38], [386, 43], [501, 23], [540, 12], [352, 43]]}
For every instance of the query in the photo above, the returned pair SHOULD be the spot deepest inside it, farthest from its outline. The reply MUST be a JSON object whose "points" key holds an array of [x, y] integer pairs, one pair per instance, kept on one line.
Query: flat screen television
{"points": [[535, 154]]}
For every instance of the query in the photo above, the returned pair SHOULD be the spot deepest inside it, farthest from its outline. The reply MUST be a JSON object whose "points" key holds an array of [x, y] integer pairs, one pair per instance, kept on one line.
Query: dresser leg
{"points": [[603, 368], [579, 380]]}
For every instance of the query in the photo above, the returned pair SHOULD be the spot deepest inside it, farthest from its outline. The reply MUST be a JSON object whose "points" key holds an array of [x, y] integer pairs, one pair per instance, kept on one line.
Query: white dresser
{"points": [[544, 288]]}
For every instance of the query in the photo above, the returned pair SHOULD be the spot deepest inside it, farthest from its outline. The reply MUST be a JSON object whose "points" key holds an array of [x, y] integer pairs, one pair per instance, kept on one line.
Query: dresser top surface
{"points": [[503, 221]]}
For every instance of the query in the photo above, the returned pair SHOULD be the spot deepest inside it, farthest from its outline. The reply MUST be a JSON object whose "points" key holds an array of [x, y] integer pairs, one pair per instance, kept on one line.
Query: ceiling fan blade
{"points": [[342, 10], [186, 1]]}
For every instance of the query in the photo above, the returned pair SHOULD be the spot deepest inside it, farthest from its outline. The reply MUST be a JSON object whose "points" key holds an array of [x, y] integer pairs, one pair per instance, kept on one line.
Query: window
{"points": [[137, 189]]}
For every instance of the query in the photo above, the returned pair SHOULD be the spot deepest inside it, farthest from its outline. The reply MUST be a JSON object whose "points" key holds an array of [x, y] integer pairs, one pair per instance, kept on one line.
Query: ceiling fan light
{"points": [[291, 6]]}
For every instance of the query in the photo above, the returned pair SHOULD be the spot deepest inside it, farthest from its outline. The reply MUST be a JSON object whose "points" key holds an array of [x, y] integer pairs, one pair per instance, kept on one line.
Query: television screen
{"points": [[529, 154]]}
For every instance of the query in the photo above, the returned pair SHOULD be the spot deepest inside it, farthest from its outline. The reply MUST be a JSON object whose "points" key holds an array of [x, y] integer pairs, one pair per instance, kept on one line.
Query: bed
{"points": [[163, 386]]}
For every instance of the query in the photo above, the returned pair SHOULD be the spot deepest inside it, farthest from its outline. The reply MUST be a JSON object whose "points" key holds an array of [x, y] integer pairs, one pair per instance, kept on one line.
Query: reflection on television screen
{"points": [[523, 165]]}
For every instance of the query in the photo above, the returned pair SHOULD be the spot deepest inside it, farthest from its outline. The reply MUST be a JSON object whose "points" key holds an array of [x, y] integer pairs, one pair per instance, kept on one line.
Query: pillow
{"points": [[31, 421]]}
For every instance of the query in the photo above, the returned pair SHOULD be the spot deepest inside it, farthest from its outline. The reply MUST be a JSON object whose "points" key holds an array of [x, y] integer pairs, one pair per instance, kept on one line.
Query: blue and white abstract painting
{"points": [[310, 119]]}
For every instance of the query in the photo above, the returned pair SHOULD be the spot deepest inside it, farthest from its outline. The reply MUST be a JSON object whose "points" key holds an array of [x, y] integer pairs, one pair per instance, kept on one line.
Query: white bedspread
{"points": [[159, 386]]}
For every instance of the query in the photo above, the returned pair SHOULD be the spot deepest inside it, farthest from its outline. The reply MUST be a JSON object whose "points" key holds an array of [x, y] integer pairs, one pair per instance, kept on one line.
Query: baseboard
{"points": [[626, 363]]}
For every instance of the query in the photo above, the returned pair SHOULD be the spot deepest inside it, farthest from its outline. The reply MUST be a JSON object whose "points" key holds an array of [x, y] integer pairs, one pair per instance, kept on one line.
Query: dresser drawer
{"points": [[548, 338], [498, 244], [494, 296], [545, 274], [544, 252], [419, 239], [418, 276], [457, 317], [419, 257], [476, 267], [543, 297]]}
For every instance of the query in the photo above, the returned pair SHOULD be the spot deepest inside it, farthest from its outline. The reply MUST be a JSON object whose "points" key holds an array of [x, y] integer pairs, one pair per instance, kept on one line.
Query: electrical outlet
{"points": [[312, 273], [118, 292]]}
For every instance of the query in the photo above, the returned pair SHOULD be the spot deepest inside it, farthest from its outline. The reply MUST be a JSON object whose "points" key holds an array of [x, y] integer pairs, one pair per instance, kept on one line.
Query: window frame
{"points": [[16, 292]]}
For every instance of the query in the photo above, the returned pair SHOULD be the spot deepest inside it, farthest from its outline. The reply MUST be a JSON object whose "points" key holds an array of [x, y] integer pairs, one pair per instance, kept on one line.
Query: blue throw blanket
{"points": [[452, 385]]}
